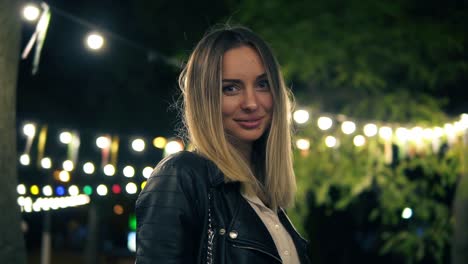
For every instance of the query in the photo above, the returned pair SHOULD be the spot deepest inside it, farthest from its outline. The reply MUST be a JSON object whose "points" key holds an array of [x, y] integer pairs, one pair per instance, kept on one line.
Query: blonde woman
{"points": [[223, 202]]}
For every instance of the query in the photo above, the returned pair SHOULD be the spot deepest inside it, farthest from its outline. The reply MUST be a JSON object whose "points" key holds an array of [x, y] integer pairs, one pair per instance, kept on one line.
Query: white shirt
{"points": [[281, 237]]}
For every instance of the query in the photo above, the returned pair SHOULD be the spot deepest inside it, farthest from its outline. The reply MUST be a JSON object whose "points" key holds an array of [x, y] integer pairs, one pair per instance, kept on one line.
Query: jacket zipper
{"points": [[256, 249]]}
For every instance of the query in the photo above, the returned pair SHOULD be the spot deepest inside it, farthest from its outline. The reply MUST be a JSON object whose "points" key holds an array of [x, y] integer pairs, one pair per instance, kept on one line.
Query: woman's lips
{"points": [[250, 123]]}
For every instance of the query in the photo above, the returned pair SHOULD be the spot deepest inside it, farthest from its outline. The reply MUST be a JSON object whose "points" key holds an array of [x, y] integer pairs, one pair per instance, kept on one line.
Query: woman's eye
{"points": [[230, 89], [264, 85]]}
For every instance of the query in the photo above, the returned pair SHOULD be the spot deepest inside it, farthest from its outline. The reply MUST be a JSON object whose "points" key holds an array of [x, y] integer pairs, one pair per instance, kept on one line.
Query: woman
{"points": [[223, 202]]}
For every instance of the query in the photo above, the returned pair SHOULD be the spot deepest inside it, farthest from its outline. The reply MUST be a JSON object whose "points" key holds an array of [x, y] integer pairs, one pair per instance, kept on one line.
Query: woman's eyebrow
{"points": [[232, 80], [262, 76]]}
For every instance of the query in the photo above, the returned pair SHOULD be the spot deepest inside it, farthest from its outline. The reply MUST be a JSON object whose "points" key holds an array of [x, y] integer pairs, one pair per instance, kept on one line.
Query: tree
{"points": [[11, 238]]}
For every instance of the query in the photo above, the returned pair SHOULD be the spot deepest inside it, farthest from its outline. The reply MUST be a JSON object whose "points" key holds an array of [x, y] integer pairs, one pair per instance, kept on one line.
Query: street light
{"points": [[95, 41], [31, 12]]}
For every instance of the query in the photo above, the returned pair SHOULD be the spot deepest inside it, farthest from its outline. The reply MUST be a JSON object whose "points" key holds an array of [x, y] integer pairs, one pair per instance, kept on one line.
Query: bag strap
{"points": [[211, 234]]}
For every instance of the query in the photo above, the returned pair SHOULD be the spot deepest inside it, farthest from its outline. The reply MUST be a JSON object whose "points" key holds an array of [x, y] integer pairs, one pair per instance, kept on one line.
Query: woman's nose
{"points": [[250, 100]]}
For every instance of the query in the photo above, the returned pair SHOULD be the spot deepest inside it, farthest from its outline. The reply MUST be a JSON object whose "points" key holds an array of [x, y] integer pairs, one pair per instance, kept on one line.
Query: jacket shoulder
{"points": [[189, 166]]}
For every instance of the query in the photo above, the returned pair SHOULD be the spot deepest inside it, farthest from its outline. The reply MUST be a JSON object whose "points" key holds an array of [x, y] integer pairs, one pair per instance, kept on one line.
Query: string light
{"points": [[131, 188], [88, 190], [159, 142], [301, 116], [359, 140], [116, 189], [402, 134], [25, 160], [370, 130], [407, 213], [65, 137], [46, 163], [34, 190], [385, 133], [138, 145], [21, 189], [29, 130], [324, 123], [303, 144], [109, 170], [47, 190], [103, 142], [147, 172], [73, 190], [68, 165], [88, 168], [348, 127], [101, 190], [129, 171], [64, 176], [330, 141], [173, 146]]}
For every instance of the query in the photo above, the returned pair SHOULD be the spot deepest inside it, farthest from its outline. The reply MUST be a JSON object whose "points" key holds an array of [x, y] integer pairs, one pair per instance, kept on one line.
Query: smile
{"points": [[249, 123]]}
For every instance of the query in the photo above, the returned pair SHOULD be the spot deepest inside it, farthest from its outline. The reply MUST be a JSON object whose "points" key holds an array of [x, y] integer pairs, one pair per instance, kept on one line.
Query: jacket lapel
{"points": [[250, 230]]}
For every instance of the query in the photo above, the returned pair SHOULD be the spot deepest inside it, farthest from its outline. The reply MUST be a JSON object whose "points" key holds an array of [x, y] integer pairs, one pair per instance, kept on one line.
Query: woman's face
{"points": [[247, 100]]}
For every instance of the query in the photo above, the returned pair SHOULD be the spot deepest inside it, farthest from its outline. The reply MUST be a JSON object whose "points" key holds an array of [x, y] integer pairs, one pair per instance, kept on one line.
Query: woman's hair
{"points": [[272, 178]]}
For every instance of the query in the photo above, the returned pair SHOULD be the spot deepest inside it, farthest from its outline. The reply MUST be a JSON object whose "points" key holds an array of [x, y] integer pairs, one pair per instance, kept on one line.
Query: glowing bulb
{"points": [[416, 133], [301, 116], [101, 190], [65, 137], [407, 213], [103, 142], [131, 188], [385, 133], [88, 190], [147, 172], [303, 144], [159, 142], [47, 190], [34, 190], [348, 127], [21, 189], [464, 121], [359, 141], [428, 133], [68, 165], [116, 189], [88, 168], [29, 130], [330, 141], [138, 145], [370, 130], [31, 12], [64, 176], [129, 171], [143, 184], [324, 123], [95, 41], [109, 170], [46, 163], [73, 190], [25, 160], [173, 146], [402, 134], [118, 209]]}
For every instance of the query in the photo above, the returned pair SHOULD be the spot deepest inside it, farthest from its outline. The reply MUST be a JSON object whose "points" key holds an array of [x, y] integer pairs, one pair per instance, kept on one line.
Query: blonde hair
{"points": [[272, 178]]}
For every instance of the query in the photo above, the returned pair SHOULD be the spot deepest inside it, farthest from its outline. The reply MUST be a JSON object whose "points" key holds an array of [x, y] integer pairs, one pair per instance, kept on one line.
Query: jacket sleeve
{"points": [[166, 231]]}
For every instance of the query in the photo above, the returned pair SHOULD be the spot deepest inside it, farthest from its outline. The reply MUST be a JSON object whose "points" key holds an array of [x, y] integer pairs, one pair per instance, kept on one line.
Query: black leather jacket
{"points": [[172, 217]]}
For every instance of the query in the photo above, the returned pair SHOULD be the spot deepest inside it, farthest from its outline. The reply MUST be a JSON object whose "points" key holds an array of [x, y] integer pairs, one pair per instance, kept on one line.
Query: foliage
{"points": [[338, 178], [339, 54]]}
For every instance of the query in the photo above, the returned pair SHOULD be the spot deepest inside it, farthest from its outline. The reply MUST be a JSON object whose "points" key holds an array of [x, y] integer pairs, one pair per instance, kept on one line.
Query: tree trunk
{"points": [[12, 249]]}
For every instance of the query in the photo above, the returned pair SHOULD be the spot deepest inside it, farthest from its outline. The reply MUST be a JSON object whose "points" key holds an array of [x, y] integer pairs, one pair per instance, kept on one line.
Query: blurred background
{"points": [[380, 122]]}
